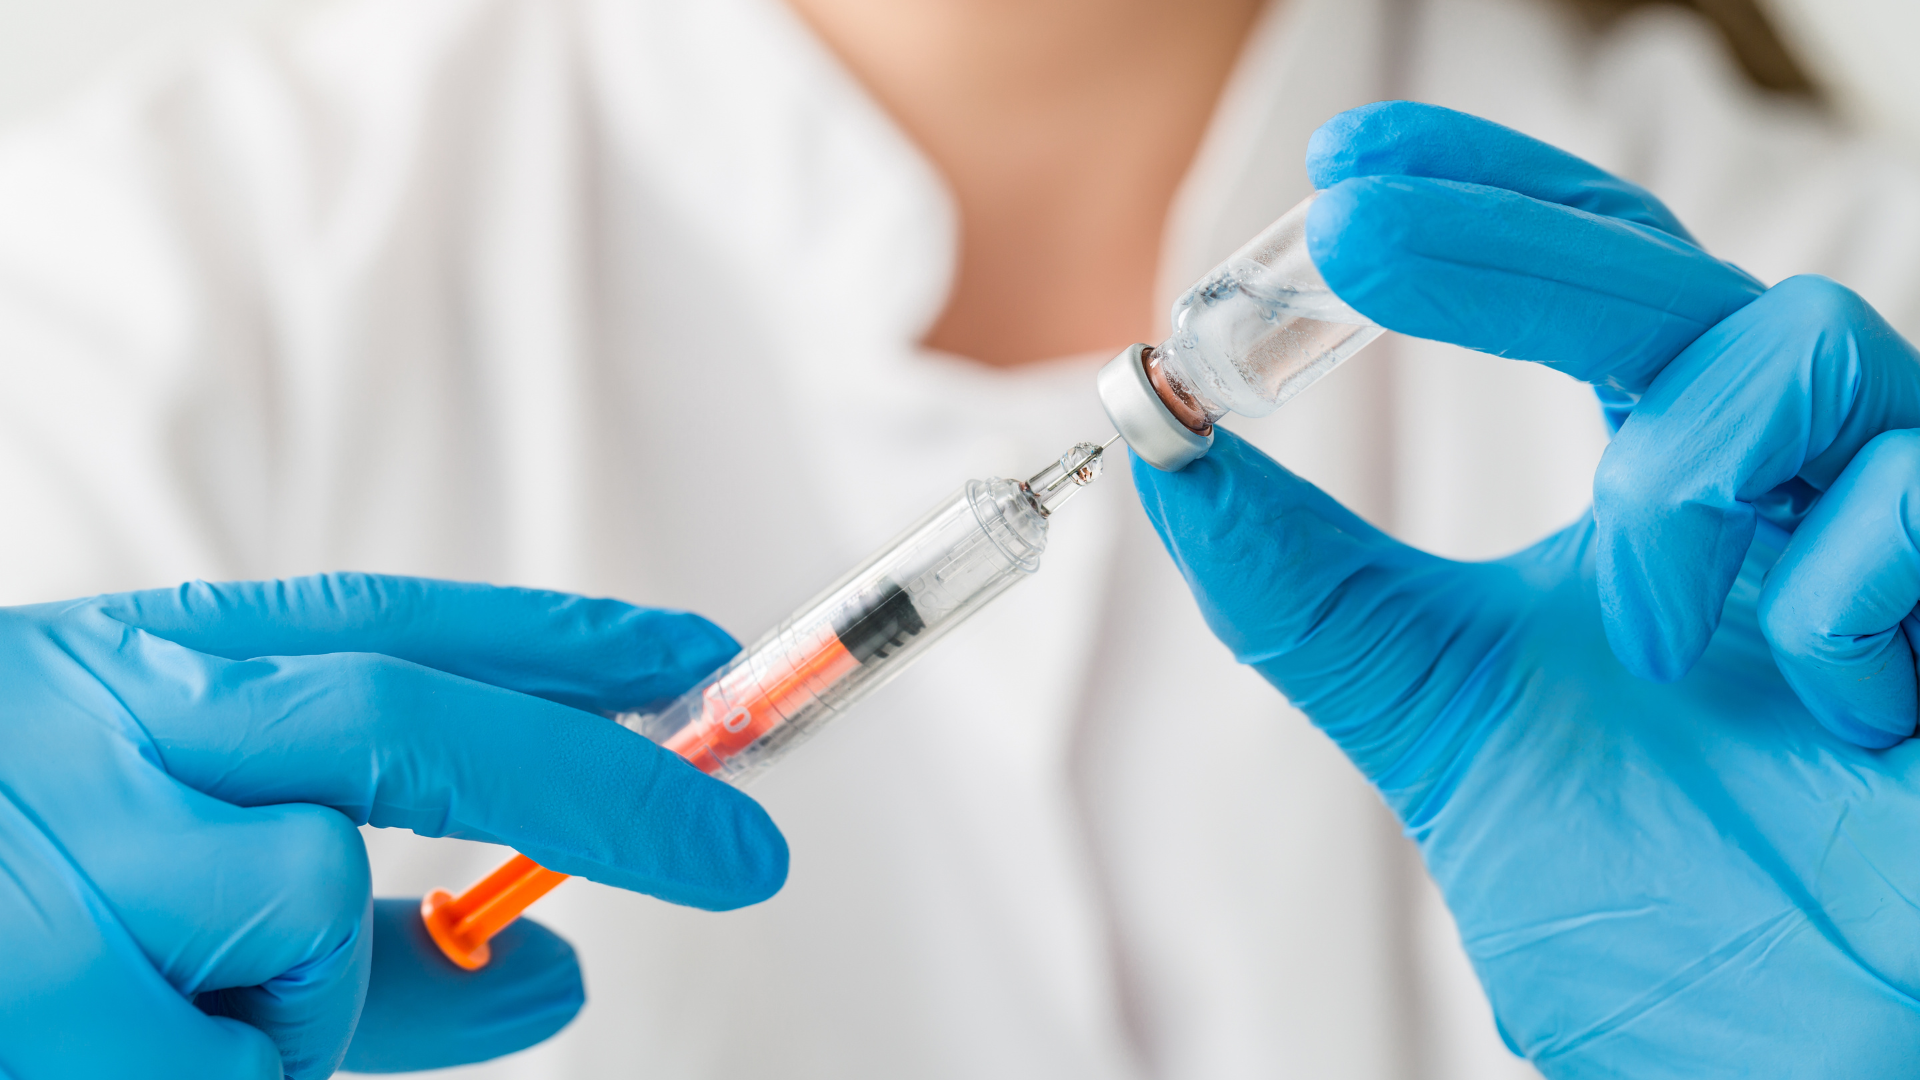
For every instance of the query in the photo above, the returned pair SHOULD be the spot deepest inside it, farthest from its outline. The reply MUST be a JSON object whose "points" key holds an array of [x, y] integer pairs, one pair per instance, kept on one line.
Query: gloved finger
{"points": [[257, 914], [1605, 300], [1838, 607], [597, 655], [424, 1013], [391, 743], [297, 969], [309, 1010], [80, 999], [1784, 393], [1410, 138], [1343, 619]]}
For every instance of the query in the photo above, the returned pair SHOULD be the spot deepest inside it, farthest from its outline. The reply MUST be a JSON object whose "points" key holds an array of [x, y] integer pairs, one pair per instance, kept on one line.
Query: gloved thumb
{"points": [[422, 1012], [1347, 622]]}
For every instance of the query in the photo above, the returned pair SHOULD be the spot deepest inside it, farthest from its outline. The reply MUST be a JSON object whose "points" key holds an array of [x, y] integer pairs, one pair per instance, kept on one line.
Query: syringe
{"points": [[849, 641]]}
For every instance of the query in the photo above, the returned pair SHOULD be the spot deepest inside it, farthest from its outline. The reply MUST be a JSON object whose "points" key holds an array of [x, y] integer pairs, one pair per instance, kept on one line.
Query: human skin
{"points": [[1063, 129]]}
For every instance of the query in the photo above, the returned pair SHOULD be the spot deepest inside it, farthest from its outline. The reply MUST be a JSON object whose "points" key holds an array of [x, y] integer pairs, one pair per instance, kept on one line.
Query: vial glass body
{"points": [[1259, 329]]}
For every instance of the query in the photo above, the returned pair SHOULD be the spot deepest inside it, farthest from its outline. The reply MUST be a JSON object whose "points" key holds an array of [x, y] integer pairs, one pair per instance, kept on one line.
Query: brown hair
{"points": [[1750, 36]]}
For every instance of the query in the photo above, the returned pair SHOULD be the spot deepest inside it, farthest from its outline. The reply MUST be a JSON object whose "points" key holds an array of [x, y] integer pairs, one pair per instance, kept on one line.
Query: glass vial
{"points": [[1259, 329]]}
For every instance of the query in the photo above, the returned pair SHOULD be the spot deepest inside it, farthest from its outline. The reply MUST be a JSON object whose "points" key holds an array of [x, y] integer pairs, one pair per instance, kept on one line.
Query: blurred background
{"points": [[1847, 56], [1860, 53], [1856, 55], [51, 48]]}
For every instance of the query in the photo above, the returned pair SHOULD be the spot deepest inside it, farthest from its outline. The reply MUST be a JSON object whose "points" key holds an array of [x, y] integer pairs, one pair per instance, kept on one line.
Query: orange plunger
{"points": [[817, 664], [736, 710]]}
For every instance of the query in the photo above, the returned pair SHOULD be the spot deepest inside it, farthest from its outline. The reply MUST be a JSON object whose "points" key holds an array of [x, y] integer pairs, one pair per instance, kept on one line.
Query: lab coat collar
{"points": [[846, 238]]}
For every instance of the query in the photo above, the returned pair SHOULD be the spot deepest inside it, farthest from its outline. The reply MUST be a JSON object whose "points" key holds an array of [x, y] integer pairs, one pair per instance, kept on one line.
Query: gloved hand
{"points": [[1687, 879], [184, 892], [1740, 405]]}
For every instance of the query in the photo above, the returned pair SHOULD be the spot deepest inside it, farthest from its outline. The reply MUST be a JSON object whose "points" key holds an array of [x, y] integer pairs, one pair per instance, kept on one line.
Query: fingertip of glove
{"points": [[1359, 235], [1222, 506], [757, 858], [642, 657], [1647, 653], [1335, 147], [1861, 734], [1328, 222], [697, 842], [1663, 576], [1655, 668], [697, 644], [1370, 140], [1158, 488], [249, 1054]]}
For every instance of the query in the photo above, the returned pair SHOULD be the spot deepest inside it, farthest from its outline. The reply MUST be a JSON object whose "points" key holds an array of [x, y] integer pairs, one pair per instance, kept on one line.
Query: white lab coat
{"points": [[623, 296]]}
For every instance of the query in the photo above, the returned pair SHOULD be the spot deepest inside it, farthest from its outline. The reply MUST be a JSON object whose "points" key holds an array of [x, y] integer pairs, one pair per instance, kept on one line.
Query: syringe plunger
{"points": [[844, 644]]}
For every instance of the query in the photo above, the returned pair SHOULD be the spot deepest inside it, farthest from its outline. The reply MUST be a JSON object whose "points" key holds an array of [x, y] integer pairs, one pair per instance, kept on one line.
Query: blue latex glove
{"points": [[1682, 879], [1689, 879], [1740, 405], [424, 1013], [183, 770]]}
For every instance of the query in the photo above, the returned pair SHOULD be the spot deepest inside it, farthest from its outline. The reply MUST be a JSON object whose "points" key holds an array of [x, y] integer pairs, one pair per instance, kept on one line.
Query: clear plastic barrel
{"points": [[1259, 329], [866, 628]]}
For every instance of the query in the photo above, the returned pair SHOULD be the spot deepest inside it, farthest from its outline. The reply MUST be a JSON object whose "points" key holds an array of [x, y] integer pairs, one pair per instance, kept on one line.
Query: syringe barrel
{"points": [[865, 629], [858, 634]]}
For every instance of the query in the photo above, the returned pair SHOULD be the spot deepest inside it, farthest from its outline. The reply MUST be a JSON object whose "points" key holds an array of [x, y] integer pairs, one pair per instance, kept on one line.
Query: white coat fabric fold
{"points": [[624, 297]]}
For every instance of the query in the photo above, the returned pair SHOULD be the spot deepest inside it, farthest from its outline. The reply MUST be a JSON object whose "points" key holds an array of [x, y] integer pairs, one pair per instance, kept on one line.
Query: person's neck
{"points": [[1064, 128]]}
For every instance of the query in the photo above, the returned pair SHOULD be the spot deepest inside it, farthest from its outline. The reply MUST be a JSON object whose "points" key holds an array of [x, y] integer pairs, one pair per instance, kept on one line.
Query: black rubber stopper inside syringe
{"points": [[882, 621]]}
